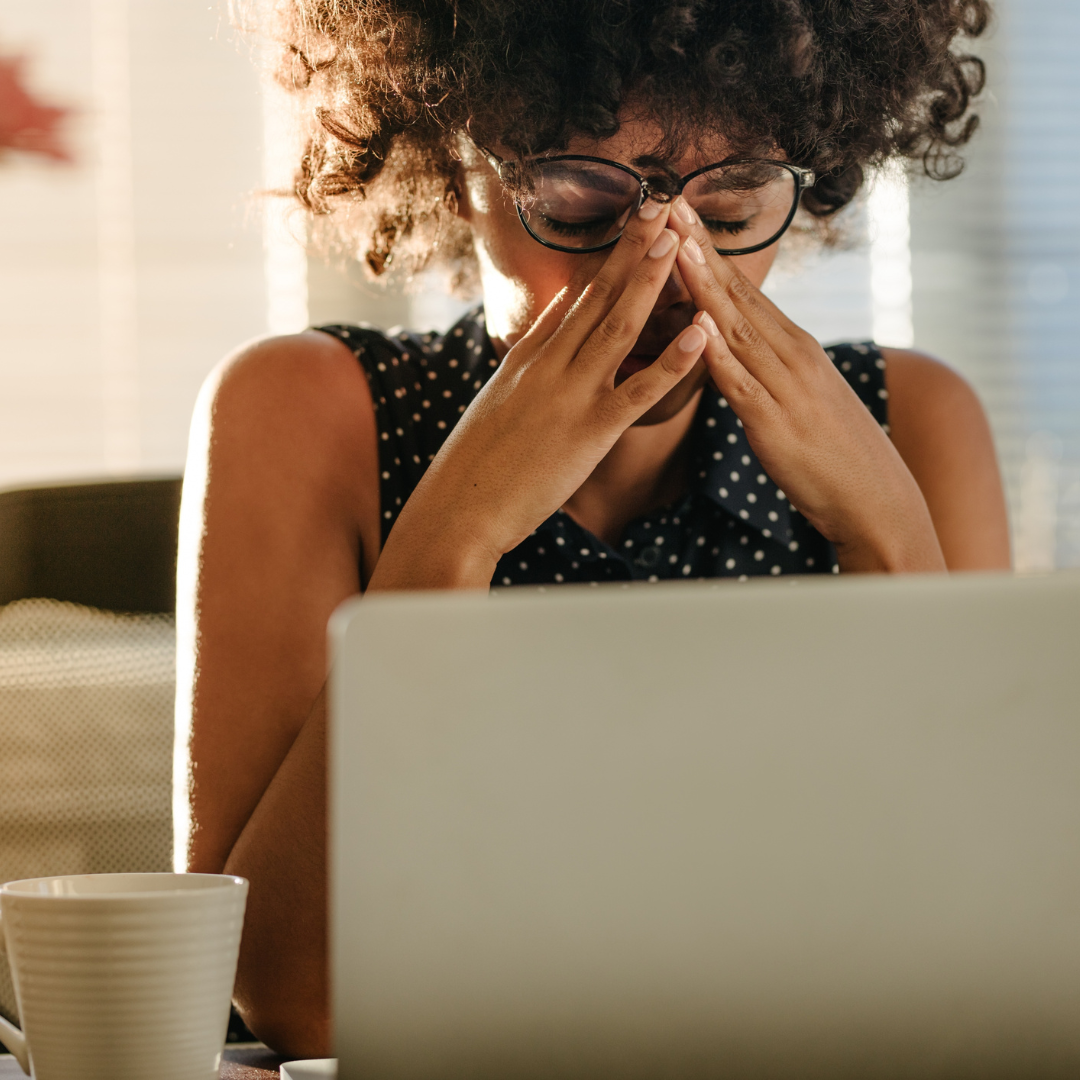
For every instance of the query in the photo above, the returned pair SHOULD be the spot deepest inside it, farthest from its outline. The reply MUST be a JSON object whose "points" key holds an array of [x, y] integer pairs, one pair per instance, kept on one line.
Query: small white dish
{"points": [[312, 1069]]}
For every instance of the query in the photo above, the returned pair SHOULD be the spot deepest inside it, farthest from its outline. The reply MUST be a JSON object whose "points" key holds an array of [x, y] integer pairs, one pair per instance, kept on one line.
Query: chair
{"points": [[106, 545], [87, 680]]}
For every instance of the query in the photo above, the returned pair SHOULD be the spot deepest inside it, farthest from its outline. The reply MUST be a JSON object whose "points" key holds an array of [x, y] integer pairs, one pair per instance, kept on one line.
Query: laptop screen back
{"points": [[826, 829]]}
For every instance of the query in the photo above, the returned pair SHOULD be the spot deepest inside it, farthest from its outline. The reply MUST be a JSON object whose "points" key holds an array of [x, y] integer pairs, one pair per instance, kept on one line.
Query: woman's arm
{"points": [[546, 418], [941, 432], [887, 504], [281, 506], [280, 496]]}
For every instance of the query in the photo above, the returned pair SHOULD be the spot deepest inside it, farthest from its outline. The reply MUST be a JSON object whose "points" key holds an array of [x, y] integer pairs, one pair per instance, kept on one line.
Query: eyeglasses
{"points": [[581, 204]]}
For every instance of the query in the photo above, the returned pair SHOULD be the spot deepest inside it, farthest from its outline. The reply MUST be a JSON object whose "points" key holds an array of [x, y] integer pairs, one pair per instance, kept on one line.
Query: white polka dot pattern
{"points": [[732, 522]]}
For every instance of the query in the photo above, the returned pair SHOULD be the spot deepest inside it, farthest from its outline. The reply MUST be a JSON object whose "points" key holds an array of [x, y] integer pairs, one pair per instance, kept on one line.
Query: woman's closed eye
{"points": [[576, 228], [727, 228]]}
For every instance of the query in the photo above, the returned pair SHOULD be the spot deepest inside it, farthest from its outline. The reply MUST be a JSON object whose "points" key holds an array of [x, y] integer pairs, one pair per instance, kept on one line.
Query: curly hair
{"points": [[837, 86]]}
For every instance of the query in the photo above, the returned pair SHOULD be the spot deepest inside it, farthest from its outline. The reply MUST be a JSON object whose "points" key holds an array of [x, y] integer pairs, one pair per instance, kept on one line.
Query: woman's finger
{"points": [[550, 318], [604, 291], [636, 395], [614, 336], [754, 340], [759, 301], [729, 375], [772, 324]]}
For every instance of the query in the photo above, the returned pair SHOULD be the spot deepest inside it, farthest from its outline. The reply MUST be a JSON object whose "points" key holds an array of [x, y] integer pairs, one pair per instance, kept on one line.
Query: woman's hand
{"points": [[544, 421], [810, 431]]}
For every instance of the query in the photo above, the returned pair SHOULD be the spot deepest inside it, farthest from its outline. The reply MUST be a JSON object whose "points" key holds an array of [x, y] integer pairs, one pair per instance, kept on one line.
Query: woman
{"points": [[626, 405]]}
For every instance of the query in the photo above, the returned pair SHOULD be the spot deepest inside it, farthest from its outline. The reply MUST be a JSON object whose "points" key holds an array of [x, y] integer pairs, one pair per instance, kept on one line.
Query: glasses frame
{"points": [[804, 178]]}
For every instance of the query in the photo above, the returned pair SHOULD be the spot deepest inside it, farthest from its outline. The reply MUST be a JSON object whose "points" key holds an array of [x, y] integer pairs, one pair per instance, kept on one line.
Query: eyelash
{"points": [[566, 228], [731, 228]]}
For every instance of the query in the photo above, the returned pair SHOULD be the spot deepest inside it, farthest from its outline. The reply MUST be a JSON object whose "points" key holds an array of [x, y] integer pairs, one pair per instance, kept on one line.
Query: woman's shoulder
{"points": [[381, 350], [421, 379], [908, 386], [324, 352], [463, 343], [941, 431], [923, 372], [284, 407], [865, 363], [420, 385], [277, 402], [928, 395], [285, 371], [328, 364]]}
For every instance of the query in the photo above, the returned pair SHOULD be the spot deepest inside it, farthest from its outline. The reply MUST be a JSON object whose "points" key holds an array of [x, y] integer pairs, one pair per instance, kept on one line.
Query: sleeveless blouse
{"points": [[732, 522]]}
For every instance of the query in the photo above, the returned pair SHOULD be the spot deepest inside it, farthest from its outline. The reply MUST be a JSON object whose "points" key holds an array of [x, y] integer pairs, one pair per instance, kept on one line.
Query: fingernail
{"points": [[685, 211], [663, 244], [693, 340], [705, 321], [649, 210], [690, 246]]}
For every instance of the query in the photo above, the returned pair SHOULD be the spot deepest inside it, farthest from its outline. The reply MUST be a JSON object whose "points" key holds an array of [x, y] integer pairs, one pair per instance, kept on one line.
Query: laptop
{"points": [[806, 829]]}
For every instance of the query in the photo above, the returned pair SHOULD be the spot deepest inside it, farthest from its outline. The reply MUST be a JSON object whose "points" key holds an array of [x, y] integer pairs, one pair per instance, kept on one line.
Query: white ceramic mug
{"points": [[121, 976]]}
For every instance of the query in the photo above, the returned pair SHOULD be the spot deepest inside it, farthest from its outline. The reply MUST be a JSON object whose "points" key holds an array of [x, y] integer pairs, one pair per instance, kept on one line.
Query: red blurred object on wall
{"points": [[25, 123]]}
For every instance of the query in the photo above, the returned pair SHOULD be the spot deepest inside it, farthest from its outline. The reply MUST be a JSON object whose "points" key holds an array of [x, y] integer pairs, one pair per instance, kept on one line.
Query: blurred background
{"points": [[127, 274]]}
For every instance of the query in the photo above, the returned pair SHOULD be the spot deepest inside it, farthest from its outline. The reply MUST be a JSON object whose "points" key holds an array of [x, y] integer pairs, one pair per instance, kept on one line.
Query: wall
{"points": [[125, 278], [122, 281]]}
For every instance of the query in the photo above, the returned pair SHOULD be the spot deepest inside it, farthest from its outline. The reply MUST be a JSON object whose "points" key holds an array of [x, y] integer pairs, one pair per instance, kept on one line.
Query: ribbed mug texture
{"points": [[132, 987]]}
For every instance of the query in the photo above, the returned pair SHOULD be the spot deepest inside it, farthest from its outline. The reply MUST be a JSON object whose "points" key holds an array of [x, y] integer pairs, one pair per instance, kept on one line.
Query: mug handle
{"points": [[10, 1035]]}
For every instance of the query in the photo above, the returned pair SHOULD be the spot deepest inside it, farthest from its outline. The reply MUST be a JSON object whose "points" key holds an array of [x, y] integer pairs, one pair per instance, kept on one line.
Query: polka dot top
{"points": [[733, 520]]}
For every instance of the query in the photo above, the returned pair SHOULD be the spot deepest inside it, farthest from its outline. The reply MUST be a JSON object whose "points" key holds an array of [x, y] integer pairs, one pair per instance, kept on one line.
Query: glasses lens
{"points": [[743, 206], [578, 204]]}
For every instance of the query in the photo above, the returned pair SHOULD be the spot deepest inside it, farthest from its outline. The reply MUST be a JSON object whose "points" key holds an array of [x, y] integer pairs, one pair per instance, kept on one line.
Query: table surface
{"points": [[245, 1062]]}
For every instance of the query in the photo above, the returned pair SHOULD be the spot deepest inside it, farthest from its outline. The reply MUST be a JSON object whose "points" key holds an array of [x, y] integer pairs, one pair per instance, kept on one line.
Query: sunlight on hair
{"points": [[888, 213]]}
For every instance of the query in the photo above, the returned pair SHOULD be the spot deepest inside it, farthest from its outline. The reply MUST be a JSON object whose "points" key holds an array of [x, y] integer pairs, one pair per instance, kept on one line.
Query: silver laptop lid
{"points": [[823, 829]]}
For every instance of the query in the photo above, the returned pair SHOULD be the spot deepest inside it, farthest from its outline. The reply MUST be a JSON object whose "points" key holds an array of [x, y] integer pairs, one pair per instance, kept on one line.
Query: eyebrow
{"points": [[595, 179], [736, 180]]}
